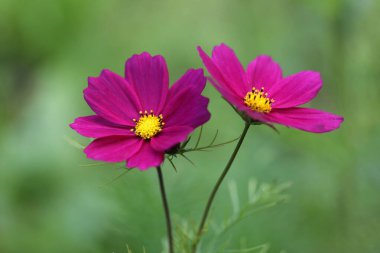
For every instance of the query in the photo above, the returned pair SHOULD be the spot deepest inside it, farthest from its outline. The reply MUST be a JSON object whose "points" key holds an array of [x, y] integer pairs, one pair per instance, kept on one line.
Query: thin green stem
{"points": [[166, 209], [216, 188]]}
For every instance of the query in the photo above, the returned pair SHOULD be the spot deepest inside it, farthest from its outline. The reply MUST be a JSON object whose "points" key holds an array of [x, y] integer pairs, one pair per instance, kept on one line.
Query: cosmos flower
{"points": [[138, 118], [262, 93]]}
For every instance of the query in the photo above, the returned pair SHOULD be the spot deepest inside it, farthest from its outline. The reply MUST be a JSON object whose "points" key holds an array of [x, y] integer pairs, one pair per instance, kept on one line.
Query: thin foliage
{"points": [[259, 249], [182, 149], [73, 142], [259, 197], [113, 180], [130, 251]]}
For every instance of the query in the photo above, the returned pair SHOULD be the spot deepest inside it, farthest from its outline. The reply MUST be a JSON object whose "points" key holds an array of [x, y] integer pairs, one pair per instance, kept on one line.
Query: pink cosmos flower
{"points": [[262, 93], [138, 118]]}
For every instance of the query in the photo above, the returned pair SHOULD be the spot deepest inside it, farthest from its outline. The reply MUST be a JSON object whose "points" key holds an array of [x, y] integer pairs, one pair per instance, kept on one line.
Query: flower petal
{"points": [[214, 71], [110, 96], [296, 89], [146, 157], [231, 68], [170, 136], [186, 108], [231, 98], [95, 127], [306, 119], [192, 78], [257, 116], [150, 79], [113, 148], [263, 72]]}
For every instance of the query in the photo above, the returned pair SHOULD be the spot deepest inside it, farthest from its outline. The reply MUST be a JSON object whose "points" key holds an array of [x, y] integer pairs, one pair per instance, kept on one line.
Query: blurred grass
{"points": [[49, 203]]}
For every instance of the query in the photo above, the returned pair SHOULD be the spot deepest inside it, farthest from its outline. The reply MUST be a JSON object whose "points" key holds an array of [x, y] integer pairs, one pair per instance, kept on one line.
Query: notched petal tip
{"points": [[223, 46], [265, 57], [199, 48], [202, 54], [224, 51], [103, 73], [149, 77], [198, 71], [263, 71], [144, 168], [144, 56], [72, 125], [339, 120], [193, 78], [141, 55], [230, 69]]}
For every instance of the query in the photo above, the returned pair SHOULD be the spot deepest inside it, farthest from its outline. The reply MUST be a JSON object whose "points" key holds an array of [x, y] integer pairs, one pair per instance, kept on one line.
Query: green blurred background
{"points": [[51, 202]]}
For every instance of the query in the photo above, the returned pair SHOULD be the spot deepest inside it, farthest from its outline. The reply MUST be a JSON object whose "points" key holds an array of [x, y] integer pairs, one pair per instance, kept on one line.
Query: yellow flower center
{"points": [[148, 125], [258, 101]]}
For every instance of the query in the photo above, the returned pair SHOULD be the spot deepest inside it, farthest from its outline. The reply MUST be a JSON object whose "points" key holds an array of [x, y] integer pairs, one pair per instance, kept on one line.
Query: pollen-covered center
{"points": [[258, 101], [148, 125]]}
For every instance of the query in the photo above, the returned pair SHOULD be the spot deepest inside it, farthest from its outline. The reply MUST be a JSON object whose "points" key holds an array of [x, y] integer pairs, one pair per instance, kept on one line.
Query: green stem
{"points": [[216, 187], [166, 209]]}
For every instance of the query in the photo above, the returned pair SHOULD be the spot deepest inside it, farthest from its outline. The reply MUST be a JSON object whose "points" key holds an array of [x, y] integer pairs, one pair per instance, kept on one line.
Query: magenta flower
{"points": [[262, 93], [138, 117]]}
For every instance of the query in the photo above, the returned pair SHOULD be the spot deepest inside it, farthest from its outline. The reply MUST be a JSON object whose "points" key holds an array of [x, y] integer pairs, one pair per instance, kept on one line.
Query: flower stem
{"points": [[166, 209], [216, 187]]}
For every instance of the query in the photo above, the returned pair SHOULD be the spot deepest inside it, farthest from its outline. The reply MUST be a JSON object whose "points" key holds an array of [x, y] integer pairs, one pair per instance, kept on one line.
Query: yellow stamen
{"points": [[258, 101], [148, 125]]}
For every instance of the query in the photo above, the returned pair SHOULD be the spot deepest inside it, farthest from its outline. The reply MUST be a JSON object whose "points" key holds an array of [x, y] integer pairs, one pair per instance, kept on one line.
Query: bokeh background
{"points": [[52, 199]]}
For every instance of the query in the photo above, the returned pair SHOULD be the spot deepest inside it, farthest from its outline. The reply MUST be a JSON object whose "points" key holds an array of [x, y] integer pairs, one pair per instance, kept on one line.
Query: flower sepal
{"points": [[173, 151], [181, 148]]}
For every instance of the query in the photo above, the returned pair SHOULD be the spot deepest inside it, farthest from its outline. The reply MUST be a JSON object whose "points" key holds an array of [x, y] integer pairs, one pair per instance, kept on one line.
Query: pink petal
{"points": [[170, 136], [185, 105], [186, 108], [231, 68], [146, 157], [263, 72], [296, 89], [96, 127], [216, 73], [110, 96], [233, 99], [192, 78], [306, 119], [113, 148], [255, 115], [150, 79]]}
